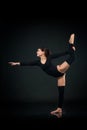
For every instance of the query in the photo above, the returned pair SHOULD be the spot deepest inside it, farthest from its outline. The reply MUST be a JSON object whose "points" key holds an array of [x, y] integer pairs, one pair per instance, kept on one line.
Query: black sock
{"points": [[71, 53], [61, 96]]}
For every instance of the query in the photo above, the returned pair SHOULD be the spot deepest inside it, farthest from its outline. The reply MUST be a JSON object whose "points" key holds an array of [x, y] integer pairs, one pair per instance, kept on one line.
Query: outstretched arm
{"points": [[31, 63], [14, 63]]}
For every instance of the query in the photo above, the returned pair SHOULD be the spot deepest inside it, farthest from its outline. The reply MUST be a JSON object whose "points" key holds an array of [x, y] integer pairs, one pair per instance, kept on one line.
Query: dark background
{"points": [[19, 40]]}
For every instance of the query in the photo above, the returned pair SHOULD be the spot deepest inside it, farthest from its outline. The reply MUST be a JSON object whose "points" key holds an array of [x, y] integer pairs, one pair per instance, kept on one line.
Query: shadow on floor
{"points": [[37, 115]]}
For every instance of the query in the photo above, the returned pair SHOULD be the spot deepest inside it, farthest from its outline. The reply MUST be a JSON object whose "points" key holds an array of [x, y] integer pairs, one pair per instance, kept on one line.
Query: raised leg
{"points": [[71, 51], [61, 80]]}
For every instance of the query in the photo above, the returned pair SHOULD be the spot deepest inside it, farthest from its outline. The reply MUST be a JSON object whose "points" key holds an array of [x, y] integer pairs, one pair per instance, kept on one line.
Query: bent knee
{"points": [[60, 69], [63, 67]]}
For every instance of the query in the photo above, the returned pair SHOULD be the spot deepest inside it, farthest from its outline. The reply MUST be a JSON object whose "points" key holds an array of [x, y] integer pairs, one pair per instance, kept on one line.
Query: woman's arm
{"points": [[14, 63], [31, 63]]}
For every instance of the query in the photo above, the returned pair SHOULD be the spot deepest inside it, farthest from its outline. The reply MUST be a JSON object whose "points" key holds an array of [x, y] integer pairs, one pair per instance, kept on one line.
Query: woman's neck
{"points": [[43, 57]]}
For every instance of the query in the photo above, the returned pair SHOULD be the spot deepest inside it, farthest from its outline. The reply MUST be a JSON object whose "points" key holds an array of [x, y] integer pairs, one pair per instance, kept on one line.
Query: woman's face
{"points": [[39, 52]]}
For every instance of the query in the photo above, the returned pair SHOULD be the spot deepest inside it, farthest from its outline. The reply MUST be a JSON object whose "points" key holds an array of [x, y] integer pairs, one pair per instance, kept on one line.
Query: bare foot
{"points": [[72, 38], [53, 112], [57, 112], [71, 41]]}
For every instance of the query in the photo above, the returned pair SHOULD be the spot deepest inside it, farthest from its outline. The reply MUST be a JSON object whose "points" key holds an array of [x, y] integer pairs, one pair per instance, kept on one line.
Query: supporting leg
{"points": [[61, 85]]}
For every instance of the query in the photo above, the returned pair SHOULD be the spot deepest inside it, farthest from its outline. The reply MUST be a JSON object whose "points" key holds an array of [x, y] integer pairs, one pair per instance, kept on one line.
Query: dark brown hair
{"points": [[47, 51]]}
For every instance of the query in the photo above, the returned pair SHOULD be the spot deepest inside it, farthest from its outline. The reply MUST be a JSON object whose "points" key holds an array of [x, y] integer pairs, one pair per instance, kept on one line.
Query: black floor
{"points": [[37, 115]]}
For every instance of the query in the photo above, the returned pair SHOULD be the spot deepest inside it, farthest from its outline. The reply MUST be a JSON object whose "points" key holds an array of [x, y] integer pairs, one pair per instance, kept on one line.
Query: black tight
{"points": [[60, 96], [71, 53]]}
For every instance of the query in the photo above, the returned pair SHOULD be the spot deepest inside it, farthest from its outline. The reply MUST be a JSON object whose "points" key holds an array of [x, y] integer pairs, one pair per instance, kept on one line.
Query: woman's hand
{"points": [[14, 63]]}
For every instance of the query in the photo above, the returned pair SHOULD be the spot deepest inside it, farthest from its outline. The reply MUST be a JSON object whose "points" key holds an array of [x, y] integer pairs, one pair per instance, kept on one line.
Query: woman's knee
{"points": [[63, 67]]}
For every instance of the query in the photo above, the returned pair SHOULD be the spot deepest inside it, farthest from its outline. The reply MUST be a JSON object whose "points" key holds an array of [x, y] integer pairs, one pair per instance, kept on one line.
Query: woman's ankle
{"points": [[59, 109]]}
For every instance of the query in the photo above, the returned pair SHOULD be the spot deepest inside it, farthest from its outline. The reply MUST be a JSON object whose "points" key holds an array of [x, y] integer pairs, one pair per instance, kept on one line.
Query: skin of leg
{"points": [[63, 67], [61, 81]]}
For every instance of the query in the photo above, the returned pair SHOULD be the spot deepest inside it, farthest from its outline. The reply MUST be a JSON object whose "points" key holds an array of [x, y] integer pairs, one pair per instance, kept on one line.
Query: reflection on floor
{"points": [[38, 115]]}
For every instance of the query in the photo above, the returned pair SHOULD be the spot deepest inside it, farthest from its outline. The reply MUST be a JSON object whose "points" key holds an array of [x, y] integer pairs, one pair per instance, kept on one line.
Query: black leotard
{"points": [[48, 67]]}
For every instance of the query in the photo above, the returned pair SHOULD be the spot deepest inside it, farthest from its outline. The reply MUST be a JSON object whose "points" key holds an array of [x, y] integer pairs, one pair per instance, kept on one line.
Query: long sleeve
{"points": [[57, 55], [31, 63]]}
